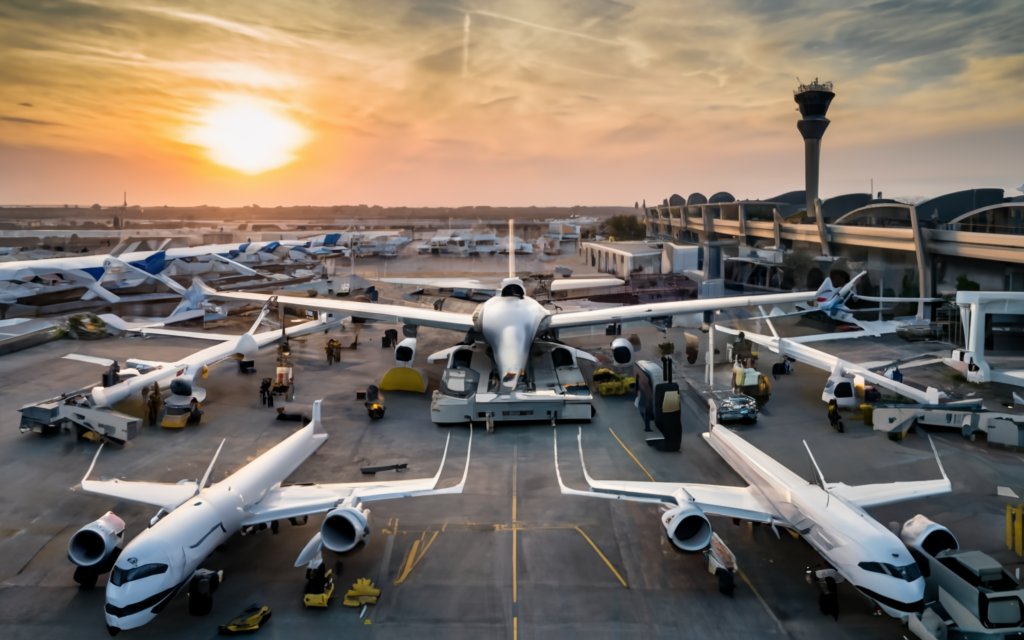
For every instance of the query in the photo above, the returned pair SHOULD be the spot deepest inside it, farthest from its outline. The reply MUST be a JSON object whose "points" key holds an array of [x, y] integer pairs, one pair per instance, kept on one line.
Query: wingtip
{"points": [[91, 466], [316, 422], [938, 460]]}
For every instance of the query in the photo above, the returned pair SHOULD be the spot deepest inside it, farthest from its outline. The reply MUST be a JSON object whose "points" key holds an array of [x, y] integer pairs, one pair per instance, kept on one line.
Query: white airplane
{"points": [[846, 379], [143, 373], [830, 516], [833, 303], [194, 519], [98, 272], [511, 321], [92, 409]]}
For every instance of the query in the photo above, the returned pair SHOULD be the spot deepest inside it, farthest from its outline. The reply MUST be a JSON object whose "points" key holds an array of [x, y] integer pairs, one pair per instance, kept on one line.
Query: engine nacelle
{"points": [[181, 386], [622, 351], [247, 346], [405, 352], [345, 528], [97, 545], [687, 527], [931, 537]]}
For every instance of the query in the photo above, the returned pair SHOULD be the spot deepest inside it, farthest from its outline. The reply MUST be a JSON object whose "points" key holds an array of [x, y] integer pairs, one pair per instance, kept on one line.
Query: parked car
{"points": [[737, 408], [610, 383], [248, 621]]}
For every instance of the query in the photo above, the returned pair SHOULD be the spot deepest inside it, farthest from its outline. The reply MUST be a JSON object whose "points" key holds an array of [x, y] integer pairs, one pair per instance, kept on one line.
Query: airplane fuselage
{"points": [[174, 547], [864, 552], [509, 323]]}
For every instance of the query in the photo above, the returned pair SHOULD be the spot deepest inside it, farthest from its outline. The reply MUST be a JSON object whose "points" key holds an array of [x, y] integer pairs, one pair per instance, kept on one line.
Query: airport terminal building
{"points": [[977, 234]]}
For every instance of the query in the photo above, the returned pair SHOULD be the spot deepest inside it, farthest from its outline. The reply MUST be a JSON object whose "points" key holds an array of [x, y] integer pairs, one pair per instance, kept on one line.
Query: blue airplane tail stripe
{"points": [[152, 264]]}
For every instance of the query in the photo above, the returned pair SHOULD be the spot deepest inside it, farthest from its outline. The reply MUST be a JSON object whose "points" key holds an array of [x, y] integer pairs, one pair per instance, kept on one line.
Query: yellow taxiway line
{"points": [[603, 557], [630, 454]]}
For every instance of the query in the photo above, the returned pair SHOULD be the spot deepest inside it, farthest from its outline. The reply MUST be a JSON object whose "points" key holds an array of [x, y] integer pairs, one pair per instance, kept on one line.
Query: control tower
{"points": [[814, 99]]}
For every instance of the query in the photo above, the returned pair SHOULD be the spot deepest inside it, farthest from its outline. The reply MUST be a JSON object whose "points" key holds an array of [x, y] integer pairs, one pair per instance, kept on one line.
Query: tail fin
{"points": [[825, 291], [847, 288], [511, 248]]}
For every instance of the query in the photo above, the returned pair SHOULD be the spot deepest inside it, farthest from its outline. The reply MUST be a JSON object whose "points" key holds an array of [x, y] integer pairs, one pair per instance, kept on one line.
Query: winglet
{"points": [[820, 477], [562, 487], [465, 472], [209, 470], [94, 459], [115, 321], [938, 460], [318, 425], [456, 488], [263, 314], [583, 464], [205, 288]]}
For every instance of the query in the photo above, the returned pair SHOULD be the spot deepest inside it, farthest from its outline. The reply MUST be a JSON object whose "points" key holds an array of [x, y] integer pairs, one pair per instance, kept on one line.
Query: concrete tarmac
{"points": [[509, 558]]}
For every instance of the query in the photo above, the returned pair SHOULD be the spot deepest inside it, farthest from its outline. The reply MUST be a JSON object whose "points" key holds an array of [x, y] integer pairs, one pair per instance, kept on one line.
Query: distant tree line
{"points": [[624, 227]]}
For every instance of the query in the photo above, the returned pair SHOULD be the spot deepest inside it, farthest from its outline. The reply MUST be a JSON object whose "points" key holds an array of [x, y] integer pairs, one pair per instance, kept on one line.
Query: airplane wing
{"points": [[827, 362], [389, 312], [873, 495], [81, 357], [447, 283], [730, 502], [165, 495], [657, 309], [294, 501]]}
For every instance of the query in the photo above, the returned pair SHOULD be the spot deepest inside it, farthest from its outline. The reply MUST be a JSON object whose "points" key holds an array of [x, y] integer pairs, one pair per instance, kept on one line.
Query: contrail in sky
{"points": [[465, 46], [543, 27]]}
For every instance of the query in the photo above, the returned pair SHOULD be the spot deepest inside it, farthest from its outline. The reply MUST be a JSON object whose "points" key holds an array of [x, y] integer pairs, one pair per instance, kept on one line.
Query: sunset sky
{"points": [[540, 102]]}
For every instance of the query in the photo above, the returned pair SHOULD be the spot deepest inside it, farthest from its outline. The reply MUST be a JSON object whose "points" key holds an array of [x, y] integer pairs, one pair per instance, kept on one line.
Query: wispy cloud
{"points": [[28, 121], [691, 89]]}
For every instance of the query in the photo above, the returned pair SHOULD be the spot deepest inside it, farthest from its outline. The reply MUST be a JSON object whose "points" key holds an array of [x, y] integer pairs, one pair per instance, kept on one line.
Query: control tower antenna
{"points": [[813, 98]]}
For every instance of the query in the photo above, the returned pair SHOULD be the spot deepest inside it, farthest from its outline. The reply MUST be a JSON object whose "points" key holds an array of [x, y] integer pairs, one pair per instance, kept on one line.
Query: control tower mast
{"points": [[813, 99]]}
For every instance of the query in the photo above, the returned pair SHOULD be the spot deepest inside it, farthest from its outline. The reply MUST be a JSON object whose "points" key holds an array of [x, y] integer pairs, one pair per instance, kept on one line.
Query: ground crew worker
{"points": [[154, 403], [329, 350], [266, 397], [833, 415]]}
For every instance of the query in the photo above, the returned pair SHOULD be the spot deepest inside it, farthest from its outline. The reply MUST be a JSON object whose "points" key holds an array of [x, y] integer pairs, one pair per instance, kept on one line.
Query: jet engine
{"points": [[687, 527], [181, 387], [405, 352], [622, 351], [95, 547], [344, 528], [931, 537]]}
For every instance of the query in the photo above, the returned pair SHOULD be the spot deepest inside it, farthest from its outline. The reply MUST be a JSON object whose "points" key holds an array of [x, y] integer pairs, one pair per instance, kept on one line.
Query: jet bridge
{"points": [[969, 417], [976, 311]]}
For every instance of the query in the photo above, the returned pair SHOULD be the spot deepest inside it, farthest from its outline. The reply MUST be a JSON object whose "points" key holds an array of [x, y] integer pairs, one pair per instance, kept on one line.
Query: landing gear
{"points": [[200, 591], [86, 578]]}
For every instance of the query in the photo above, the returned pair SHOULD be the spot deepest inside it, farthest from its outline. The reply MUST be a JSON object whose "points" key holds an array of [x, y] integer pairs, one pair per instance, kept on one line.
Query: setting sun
{"points": [[247, 135]]}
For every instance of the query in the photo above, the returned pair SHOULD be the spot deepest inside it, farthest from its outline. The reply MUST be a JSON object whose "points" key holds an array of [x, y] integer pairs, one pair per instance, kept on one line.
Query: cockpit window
{"points": [[908, 572], [121, 576]]}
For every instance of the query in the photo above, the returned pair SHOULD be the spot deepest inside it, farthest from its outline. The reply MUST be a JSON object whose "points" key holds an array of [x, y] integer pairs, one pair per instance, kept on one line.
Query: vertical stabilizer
{"points": [[511, 248]]}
